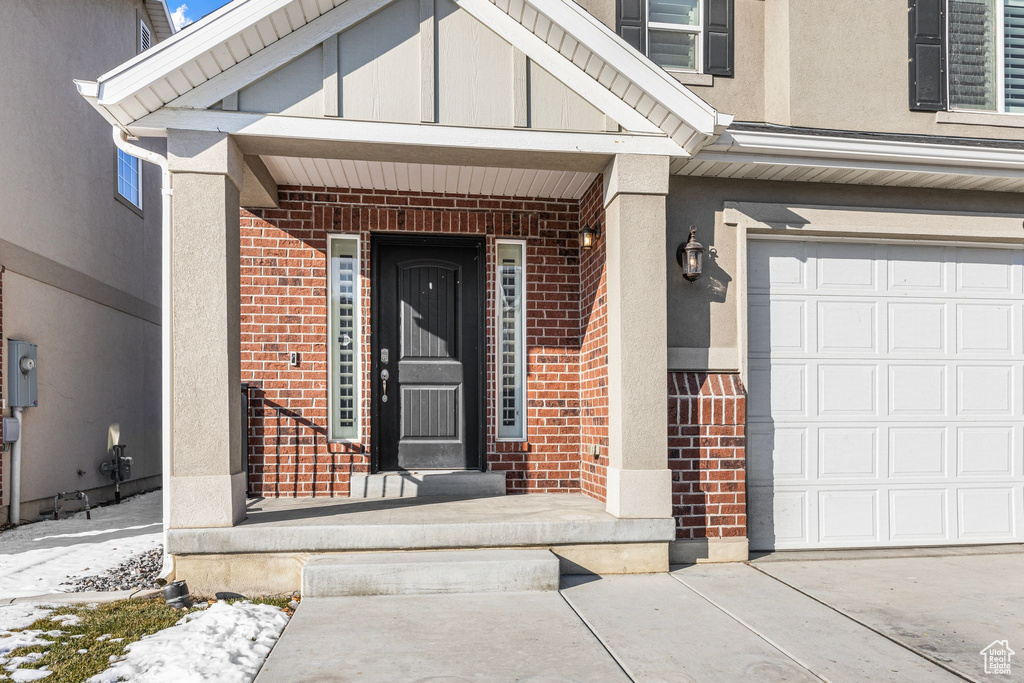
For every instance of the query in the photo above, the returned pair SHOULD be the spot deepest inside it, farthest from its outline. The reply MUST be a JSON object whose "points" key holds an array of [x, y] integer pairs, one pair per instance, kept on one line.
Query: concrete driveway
{"points": [[846, 617]]}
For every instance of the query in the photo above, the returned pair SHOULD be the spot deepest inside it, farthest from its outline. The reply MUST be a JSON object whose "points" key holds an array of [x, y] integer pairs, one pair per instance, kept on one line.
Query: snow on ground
{"points": [[38, 558], [20, 615], [12, 641], [226, 642]]}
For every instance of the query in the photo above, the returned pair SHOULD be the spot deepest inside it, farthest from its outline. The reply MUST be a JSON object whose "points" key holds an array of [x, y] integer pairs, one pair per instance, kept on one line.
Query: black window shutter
{"points": [[719, 37], [631, 21], [927, 55]]}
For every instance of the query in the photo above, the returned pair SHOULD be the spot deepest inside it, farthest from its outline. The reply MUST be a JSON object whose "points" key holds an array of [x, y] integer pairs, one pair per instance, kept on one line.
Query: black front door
{"points": [[428, 341]]}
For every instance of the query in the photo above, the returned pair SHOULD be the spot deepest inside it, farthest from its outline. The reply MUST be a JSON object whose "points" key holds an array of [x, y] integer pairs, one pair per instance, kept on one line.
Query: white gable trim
{"points": [[276, 54], [249, 38]]}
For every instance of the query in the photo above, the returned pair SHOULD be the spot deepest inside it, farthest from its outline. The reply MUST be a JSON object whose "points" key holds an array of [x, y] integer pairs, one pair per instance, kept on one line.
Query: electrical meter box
{"points": [[21, 382]]}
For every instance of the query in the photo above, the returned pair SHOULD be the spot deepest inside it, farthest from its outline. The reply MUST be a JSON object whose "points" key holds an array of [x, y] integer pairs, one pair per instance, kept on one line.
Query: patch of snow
{"points": [[39, 558], [25, 675], [103, 637], [82, 651], [12, 665], [67, 619], [226, 642], [20, 615]]}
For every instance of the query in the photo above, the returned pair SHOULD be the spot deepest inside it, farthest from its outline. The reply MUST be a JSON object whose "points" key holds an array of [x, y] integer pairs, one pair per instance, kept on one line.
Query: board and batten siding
{"points": [[420, 60]]}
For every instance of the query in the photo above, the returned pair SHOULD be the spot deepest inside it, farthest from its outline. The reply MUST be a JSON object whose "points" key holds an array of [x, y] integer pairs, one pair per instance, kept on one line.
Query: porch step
{"points": [[427, 483], [419, 573]]}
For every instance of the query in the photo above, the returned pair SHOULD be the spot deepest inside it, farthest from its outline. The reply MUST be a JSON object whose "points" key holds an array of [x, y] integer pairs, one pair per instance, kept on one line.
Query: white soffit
{"points": [[556, 33], [764, 155], [161, 18], [406, 177]]}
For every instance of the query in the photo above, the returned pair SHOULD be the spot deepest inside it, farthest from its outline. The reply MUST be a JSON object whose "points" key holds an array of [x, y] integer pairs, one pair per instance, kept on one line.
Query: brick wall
{"points": [[593, 350], [707, 454], [284, 309]]}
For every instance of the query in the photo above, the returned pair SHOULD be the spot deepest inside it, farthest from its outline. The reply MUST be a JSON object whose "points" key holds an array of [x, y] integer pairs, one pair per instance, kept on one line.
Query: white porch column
{"points": [[639, 483], [207, 484]]}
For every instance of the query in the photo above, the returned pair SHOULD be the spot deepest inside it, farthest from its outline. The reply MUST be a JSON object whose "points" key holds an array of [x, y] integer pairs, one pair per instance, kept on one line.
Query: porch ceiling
{"points": [[413, 177]]}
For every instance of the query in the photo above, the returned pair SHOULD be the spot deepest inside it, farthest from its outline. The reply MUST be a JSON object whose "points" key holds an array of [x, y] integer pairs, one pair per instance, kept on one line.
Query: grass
{"points": [[127, 619]]}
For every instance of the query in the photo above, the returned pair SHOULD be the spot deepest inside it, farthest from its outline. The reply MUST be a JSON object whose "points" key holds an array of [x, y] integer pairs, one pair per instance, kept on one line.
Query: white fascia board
{"points": [[655, 81], [184, 46], [88, 90], [412, 134], [782, 146], [557, 65]]}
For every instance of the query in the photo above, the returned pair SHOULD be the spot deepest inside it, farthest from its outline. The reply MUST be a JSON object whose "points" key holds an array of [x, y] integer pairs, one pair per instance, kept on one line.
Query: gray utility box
{"points": [[22, 371]]}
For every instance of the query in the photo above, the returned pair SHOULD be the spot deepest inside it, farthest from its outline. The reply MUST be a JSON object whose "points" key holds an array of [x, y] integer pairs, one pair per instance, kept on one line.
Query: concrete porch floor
{"points": [[264, 554], [845, 618], [344, 524]]}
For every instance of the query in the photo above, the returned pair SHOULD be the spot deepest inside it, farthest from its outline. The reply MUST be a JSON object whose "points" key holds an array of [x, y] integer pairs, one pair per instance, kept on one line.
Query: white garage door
{"points": [[886, 395]]}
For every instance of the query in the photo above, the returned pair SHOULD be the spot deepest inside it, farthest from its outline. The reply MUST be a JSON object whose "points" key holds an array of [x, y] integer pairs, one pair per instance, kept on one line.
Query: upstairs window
{"points": [[129, 179], [674, 33], [986, 55]]}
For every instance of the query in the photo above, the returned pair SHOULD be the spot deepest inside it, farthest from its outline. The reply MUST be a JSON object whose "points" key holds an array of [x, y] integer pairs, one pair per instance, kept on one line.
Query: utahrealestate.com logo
{"points": [[997, 658]]}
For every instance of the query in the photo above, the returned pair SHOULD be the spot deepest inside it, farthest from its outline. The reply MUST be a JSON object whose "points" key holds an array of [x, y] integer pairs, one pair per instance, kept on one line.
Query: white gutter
{"points": [[121, 141], [735, 143]]}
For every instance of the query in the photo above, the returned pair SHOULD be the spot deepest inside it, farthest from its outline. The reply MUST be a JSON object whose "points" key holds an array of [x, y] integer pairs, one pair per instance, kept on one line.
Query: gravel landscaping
{"points": [[139, 572]]}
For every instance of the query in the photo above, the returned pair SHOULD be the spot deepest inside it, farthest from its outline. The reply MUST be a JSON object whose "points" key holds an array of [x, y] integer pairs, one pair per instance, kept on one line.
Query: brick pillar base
{"points": [[707, 455]]}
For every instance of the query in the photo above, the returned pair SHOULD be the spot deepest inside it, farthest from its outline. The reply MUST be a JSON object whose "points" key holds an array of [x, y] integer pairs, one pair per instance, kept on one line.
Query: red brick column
{"points": [[707, 453]]}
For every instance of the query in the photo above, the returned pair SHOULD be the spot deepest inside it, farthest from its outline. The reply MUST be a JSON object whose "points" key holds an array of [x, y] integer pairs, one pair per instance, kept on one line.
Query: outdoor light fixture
{"points": [[691, 256], [589, 235]]}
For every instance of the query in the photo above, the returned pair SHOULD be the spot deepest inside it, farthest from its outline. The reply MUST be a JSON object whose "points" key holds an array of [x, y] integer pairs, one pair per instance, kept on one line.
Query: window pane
{"points": [[344, 343], [128, 182], [972, 54], [510, 342], [1014, 64], [686, 12], [673, 49]]}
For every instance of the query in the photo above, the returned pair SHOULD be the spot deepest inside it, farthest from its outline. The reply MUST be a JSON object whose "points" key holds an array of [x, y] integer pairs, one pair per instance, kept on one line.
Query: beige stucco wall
{"points": [[82, 269], [703, 320]]}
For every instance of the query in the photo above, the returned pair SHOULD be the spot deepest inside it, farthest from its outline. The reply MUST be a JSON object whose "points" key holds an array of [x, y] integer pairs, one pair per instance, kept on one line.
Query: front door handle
{"points": [[384, 375]]}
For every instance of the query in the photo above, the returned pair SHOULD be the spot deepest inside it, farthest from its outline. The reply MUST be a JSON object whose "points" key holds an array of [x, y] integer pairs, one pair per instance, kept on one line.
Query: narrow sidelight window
{"points": [[511, 330], [343, 345]]}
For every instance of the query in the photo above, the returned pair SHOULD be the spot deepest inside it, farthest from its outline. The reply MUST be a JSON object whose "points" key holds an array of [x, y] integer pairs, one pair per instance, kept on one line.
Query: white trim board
{"points": [[408, 134]]}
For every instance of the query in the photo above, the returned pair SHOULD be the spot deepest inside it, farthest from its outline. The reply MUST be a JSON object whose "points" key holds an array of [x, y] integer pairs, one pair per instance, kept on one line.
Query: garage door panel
{"points": [[916, 270], [987, 271], [986, 514], [986, 452], [847, 326], [848, 452], [985, 328], [776, 454], [886, 395], [985, 391], [917, 515], [917, 390], [847, 267], [847, 390], [849, 516], [918, 452], [916, 327]]}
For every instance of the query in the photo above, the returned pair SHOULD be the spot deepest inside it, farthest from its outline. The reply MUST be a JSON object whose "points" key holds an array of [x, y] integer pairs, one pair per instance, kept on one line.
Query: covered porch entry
{"points": [[340, 167]]}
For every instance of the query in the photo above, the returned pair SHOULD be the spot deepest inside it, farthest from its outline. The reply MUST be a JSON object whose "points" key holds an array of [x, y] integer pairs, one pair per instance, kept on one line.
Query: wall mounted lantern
{"points": [[691, 256], [589, 235]]}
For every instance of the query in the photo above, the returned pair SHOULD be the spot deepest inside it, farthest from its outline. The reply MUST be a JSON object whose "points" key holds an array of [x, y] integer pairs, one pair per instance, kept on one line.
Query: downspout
{"points": [[15, 510], [121, 141]]}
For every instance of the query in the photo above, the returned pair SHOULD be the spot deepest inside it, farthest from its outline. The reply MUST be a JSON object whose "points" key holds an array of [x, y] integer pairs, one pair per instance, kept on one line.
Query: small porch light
{"points": [[589, 235], [691, 256]]}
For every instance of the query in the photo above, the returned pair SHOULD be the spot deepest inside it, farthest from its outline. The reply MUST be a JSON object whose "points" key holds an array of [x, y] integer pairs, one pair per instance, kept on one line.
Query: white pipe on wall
{"points": [[166, 376], [15, 514]]}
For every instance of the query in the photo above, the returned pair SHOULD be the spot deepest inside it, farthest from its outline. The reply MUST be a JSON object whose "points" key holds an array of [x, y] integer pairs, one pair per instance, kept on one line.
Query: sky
{"points": [[184, 13]]}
